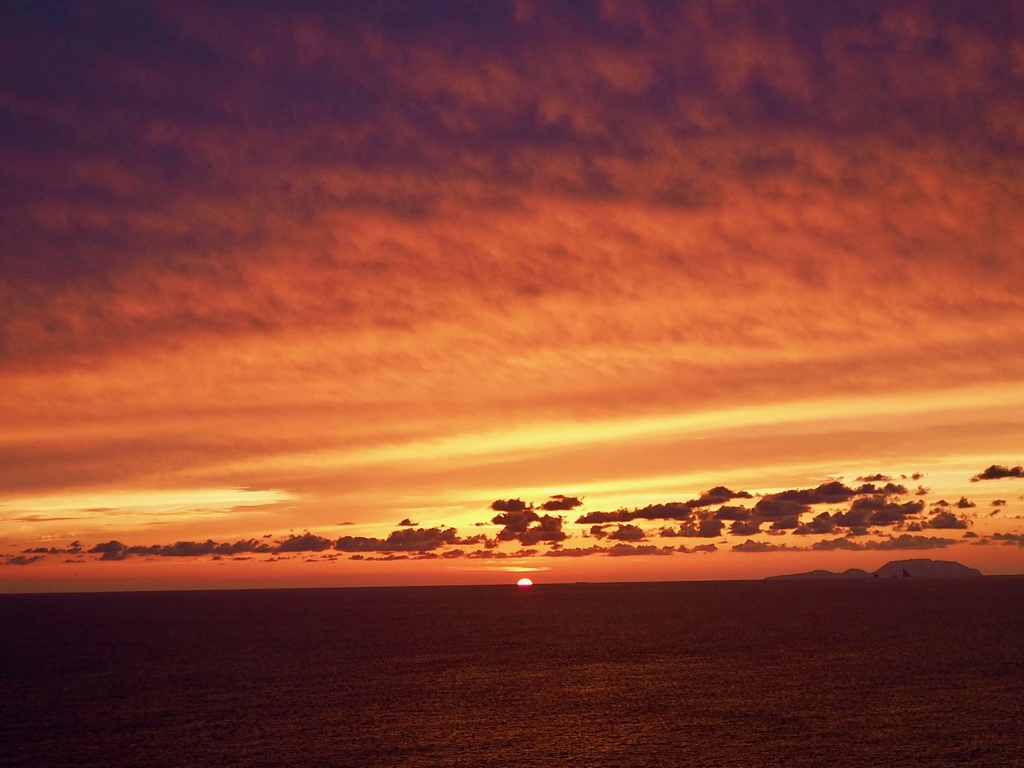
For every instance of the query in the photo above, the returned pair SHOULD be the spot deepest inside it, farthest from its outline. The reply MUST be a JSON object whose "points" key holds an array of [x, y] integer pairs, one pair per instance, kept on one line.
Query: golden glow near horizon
{"points": [[569, 272]]}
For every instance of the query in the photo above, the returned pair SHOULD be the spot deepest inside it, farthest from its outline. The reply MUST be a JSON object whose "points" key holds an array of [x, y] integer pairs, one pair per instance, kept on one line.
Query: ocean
{"points": [[861, 673]]}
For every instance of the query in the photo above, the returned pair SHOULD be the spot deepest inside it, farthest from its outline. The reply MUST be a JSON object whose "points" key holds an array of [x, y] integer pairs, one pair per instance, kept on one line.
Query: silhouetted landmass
{"points": [[921, 568], [924, 568], [851, 573]]}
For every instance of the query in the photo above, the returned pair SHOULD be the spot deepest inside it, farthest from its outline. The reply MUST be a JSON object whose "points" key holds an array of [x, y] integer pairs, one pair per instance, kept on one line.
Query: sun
{"points": [[524, 582]]}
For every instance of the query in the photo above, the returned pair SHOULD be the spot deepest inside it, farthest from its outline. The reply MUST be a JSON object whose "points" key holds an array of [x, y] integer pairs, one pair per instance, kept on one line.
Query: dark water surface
{"points": [[705, 674]]}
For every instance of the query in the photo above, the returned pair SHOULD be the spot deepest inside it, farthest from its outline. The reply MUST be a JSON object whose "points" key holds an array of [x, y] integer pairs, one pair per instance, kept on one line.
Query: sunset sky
{"points": [[328, 293]]}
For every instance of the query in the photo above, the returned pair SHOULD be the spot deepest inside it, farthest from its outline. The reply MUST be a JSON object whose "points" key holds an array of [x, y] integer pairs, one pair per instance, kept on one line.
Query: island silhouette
{"points": [[922, 568]]}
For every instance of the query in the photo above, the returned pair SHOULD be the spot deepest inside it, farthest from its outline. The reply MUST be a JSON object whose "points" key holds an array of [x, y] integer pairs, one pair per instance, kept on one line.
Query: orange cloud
{"points": [[392, 268]]}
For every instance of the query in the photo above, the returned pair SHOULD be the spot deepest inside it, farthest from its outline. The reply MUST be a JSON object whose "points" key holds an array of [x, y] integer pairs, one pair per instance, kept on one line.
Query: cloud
{"points": [[627, 532], [509, 505], [907, 541], [726, 512], [491, 554], [822, 523], [904, 541], [547, 529], [870, 506], [853, 518], [718, 495], [559, 503], [998, 502], [876, 478], [1009, 538], [772, 508], [407, 523], [404, 540], [828, 545], [306, 542], [628, 550], [878, 510], [745, 527], [110, 550], [832, 492], [115, 550], [529, 528], [514, 522], [182, 549], [705, 548], [673, 510], [947, 520], [74, 548], [22, 560], [38, 519], [625, 550], [619, 515], [574, 551], [760, 546], [964, 503], [440, 222], [599, 112], [893, 489], [703, 529], [998, 472]]}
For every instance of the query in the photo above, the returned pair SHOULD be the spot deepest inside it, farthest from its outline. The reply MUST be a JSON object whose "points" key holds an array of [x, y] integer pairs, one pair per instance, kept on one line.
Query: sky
{"points": [[331, 293]]}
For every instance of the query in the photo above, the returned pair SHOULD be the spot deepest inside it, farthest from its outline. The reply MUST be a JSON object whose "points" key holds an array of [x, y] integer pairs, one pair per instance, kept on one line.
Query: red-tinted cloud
{"points": [[265, 250]]}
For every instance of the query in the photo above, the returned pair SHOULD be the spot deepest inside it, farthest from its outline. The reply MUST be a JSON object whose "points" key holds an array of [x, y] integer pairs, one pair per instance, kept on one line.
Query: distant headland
{"points": [[921, 568]]}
